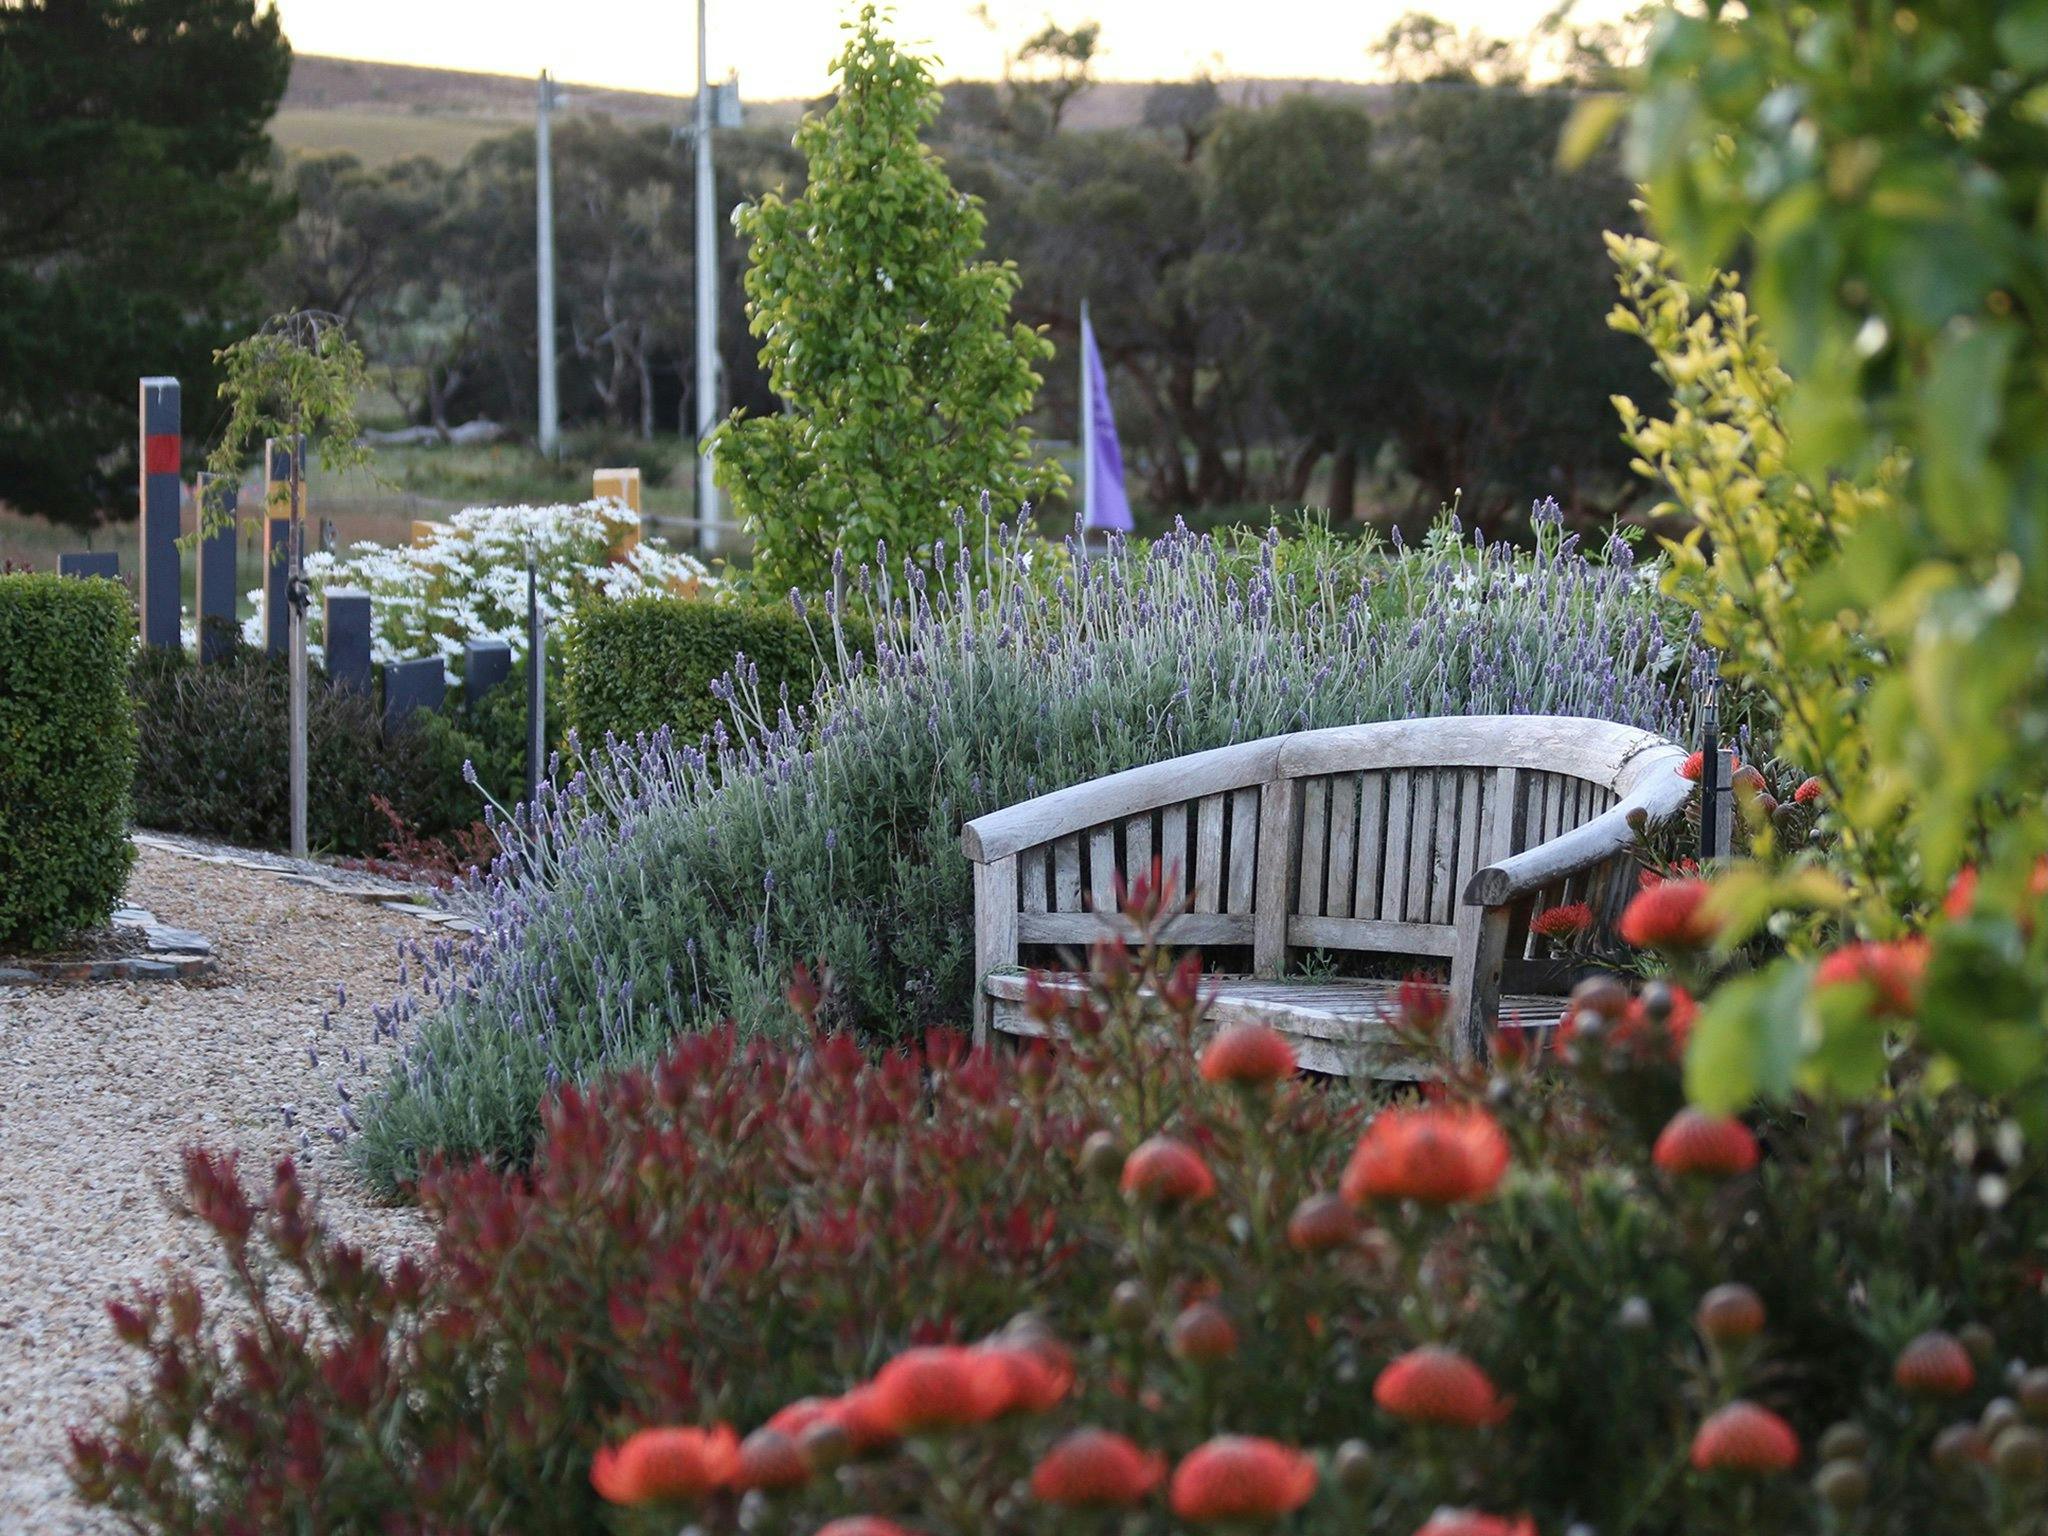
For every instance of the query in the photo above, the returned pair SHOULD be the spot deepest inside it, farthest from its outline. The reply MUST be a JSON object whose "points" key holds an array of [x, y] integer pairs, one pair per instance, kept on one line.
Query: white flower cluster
{"points": [[467, 579]]}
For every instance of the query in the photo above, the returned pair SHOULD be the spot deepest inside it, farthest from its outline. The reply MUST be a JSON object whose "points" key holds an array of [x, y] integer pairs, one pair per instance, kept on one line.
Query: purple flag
{"points": [[1103, 502]]}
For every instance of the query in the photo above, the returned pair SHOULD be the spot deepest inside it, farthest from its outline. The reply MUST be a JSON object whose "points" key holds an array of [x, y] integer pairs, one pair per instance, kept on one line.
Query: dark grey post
{"points": [[486, 663], [91, 562], [162, 448], [348, 638], [277, 538], [216, 575], [411, 686], [536, 680]]}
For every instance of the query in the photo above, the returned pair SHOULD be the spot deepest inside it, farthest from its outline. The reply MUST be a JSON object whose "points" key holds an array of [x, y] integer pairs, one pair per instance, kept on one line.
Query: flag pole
{"points": [[1087, 429]]}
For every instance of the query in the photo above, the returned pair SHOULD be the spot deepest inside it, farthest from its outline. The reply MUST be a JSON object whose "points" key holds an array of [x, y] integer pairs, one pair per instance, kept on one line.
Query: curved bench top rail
{"points": [[1597, 750], [1657, 789]]}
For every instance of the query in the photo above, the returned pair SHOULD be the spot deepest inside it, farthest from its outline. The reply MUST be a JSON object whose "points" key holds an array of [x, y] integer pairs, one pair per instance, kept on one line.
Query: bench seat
{"points": [[1336, 1025]]}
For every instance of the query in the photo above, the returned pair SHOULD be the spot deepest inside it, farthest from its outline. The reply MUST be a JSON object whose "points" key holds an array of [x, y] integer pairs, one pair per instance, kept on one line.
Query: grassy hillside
{"points": [[378, 138]]}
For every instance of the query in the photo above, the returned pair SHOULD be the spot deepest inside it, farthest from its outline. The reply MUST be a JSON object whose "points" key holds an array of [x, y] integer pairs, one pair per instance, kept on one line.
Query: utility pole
{"points": [[544, 259], [707, 304]]}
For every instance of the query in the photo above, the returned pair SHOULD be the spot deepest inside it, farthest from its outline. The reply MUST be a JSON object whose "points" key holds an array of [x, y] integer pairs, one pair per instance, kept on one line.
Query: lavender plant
{"points": [[668, 883]]}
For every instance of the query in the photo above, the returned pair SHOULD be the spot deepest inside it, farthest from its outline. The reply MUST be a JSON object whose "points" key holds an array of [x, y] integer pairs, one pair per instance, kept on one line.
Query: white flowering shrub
{"points": [[467, 580]]}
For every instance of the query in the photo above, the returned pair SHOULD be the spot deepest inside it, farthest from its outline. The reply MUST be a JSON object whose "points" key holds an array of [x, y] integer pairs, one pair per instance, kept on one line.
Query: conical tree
{"points": [[887, 335]]}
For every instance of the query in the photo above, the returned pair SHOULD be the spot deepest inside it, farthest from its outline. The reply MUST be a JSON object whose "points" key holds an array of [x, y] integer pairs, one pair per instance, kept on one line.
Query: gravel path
{"points": [[102, 1086]]}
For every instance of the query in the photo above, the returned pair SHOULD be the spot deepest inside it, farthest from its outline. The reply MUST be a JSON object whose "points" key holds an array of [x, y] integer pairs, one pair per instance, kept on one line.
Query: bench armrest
{"points": [[1659, 797]]}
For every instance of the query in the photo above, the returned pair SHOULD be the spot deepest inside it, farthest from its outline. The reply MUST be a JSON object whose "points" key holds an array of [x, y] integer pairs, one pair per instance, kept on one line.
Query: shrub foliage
{"points": [[635, 665], [666, 887], [1510, 1298], [67, 755]]}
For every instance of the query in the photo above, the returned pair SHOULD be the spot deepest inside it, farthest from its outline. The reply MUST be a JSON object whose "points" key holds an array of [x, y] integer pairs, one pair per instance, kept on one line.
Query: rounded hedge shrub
{"points": [[67, 755], [640, 663]]}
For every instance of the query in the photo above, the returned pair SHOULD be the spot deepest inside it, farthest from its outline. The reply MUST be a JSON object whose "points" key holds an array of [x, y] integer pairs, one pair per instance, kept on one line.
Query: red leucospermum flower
{"points": [[770, 1459], [1566, 922], [942, 1386], [1730, 1312], [1438, 1154], [664, 1465], [1096, 1469], [1204, 1333], [1029, 1376], [1809, 790], [862, 1525], [1469, 1522], [1893, 973], [1241, 1477], [1709, 1146], [1934, 1365], [1669, 915], [1746, 1438], [1434, 1385], [1167, 1172], [1249, 1055], [1320, 1223]]}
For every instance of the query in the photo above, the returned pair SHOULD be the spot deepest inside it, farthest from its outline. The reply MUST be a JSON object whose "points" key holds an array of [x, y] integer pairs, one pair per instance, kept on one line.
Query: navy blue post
{"points": [[216, 579], [409, 687], [162, 447], [90, 562], [486, 663], [347, 642], [277, 534]]}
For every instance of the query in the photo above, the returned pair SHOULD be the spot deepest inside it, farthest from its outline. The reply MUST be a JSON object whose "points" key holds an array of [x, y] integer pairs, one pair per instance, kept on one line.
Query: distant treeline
{"points": [[1379, 304]]}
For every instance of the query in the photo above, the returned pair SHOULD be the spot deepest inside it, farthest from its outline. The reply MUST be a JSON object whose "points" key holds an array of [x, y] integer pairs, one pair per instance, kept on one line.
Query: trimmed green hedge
{"points": [[215, 743], [644, 662], [67, 755]]}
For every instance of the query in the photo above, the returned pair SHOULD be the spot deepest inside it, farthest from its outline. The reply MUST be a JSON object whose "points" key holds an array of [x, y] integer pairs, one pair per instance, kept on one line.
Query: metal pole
{"points": [[544, 257], [1710, 767], [1087, 431], [707, 302], [296, 596], [536, 679]]}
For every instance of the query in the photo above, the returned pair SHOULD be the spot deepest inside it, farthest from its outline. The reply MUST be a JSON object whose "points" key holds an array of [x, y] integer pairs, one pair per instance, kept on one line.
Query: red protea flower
{"points": [[1893, 972], [658, 1465], [1438, 1154], [1934, 1365], [1320, 1223], [1566, 922], [1095, 1469], [1030, 1375], [1250, 1055], [1241, 1477], [1809, 790], [1434, 1385], [1204, 1333], [1469, 1522], [1168, 1172], [769, 1459], [1669, 915], [1745, 1438], [940, 1387], [1711, 1146], [1730, 1312]]}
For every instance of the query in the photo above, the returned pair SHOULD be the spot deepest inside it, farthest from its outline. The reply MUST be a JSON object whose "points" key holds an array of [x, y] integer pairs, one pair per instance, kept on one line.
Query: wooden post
{"points": [[277, 493], [995, 933], [621, 485], [1274, 879]]}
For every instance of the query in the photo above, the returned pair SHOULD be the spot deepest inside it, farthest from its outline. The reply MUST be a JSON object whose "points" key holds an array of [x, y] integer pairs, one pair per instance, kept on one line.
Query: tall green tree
{"points": [[885, 332], [133, 209]]}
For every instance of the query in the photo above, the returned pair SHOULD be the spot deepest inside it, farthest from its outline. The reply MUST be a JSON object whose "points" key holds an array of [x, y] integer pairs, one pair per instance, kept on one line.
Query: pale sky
{"points": [[783, 48]]}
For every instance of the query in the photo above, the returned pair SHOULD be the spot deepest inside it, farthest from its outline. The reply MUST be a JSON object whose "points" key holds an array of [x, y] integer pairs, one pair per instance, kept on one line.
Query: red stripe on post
{"points": [[161, 453]]}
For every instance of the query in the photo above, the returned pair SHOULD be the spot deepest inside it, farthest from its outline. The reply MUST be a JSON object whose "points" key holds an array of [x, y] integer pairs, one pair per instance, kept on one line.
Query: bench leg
{"points": [[1482, 941], [995, 933]]}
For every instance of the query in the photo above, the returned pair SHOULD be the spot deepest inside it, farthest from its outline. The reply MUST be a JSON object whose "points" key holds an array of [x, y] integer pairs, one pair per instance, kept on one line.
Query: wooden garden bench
{"points": [[1406, 843]]}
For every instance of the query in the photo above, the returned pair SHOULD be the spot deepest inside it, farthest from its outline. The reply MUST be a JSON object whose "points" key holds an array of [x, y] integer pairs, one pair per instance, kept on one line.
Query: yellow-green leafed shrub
{"points": [[67, 755]]}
